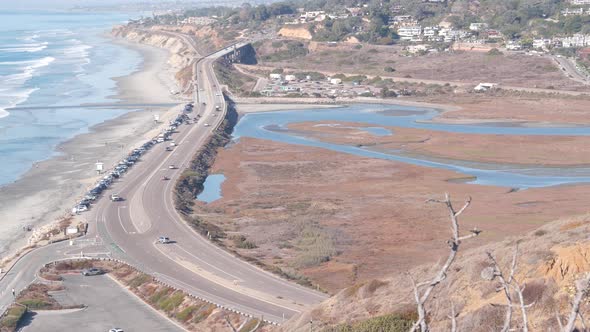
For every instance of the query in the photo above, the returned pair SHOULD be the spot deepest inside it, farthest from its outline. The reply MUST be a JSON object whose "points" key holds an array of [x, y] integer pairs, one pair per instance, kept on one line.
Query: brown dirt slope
{"points": [[550, 260]]}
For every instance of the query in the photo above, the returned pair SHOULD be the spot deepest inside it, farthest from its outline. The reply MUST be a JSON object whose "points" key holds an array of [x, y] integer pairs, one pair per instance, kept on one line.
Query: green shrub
{"points": [[139, 280], [389, 323], [35, 303], [186, 313], [172, 302], [159, 295]]}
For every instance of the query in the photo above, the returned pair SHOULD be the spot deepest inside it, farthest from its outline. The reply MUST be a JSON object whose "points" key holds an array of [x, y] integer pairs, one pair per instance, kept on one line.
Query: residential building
{"points": [[580, 2], [541, 43], [430, 31], [513, 45], [407, 33], [481, 87], [478, 26], [574, 11], [577, 40]]}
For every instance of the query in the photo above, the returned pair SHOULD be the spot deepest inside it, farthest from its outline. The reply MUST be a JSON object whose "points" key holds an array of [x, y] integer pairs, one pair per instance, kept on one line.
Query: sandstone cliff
{"points": [[181, 56]]}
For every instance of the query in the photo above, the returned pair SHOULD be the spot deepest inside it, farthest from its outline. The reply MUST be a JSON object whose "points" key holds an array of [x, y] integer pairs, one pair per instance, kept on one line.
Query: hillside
{"points": [[550, 260]]}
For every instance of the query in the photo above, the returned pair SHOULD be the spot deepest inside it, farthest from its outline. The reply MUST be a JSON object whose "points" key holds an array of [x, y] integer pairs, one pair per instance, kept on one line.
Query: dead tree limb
{"points": [[582, 289], [423, 290], [507, 285], [453, 318], [229, 323]]}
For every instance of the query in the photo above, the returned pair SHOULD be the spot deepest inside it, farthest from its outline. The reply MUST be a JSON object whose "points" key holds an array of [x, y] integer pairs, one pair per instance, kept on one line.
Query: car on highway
{"points": [[168, 148], [116, 198], [206, 125], [93, 271], [163, 240], [165, 178], [116, 329], [172, 167]]}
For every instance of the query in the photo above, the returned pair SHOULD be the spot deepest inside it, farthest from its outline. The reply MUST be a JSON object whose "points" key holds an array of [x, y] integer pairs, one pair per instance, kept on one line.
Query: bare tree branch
{"points": [[507, 285], [582, 288], [453, 318], [422, 297], [229, 323]]}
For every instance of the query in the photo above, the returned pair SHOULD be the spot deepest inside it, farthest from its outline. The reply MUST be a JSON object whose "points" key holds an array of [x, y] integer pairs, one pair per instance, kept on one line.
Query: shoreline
{"points": [[50, 187]]}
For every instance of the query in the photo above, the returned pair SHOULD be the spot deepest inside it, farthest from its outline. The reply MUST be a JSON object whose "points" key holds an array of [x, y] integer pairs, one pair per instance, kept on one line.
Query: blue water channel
{"points": [[212, 188], [272, 126]]}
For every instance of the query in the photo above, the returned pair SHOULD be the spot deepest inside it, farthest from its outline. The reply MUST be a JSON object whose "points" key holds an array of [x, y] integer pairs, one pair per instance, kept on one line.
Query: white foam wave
{"points": [[28, 48], [12, 98], [30, 38], [27, 73]]}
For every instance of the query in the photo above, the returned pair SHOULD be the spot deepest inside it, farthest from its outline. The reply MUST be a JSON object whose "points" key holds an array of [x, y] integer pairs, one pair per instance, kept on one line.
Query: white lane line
{"points": [[248, 290], [204, 262], [120, 220]]}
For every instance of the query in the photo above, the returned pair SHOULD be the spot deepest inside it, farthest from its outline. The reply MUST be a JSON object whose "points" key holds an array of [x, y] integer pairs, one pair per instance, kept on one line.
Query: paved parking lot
{"points": [[109, 306]]}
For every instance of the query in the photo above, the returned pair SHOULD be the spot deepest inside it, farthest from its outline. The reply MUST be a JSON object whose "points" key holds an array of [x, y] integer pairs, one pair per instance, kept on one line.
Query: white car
{"points": [[116, 329], [172, 167], [206, 125], [163, 240]]}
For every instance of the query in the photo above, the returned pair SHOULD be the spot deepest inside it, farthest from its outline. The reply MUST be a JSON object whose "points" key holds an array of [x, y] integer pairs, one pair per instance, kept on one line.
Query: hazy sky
{"points": [[60, 4]]}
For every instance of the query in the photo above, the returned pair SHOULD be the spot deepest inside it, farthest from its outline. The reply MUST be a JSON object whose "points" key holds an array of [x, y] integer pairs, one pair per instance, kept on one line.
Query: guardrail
{"points": [[168, 283]]}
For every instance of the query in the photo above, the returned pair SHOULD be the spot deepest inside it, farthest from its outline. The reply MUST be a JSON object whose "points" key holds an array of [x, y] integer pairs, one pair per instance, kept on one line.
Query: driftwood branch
{"points": [[422, 291]]}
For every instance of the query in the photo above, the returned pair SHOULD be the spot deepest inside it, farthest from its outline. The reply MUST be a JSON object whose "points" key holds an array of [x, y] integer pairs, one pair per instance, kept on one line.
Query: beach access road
{"points": [[107, 305], [129, 229], [190, 262]]}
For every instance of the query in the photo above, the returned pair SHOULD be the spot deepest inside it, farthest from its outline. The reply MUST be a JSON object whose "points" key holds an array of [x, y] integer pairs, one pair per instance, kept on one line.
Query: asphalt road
{"points": [[192, 262], [127, 230], [108, 306], [571, 71]]}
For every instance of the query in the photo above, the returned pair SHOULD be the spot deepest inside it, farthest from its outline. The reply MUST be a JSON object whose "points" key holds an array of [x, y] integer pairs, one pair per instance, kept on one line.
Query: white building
{"points": [[481, 87], [275, 76], [513, 45], [580, 2], [577, 40], [541, 43], [574, 11], [430, 31], [335, 81], [409, 32], [478, 26], [290, 78]]}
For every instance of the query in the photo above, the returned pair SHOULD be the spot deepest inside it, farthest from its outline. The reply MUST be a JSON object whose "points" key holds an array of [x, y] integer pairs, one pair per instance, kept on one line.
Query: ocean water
{"points": [[48, 59]]}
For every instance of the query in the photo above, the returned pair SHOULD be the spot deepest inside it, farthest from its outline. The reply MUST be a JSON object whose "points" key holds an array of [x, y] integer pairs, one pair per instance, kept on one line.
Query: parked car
{"points": [[92, 272], [163, 240]]}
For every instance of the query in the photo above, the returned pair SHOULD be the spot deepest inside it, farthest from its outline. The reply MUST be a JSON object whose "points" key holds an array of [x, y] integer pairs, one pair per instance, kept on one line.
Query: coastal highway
{"points": [[128, 230], [191, 262]]}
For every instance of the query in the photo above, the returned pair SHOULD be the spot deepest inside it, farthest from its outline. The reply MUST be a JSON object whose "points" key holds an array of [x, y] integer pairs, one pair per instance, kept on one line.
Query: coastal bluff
{"points": [[181, 56]]}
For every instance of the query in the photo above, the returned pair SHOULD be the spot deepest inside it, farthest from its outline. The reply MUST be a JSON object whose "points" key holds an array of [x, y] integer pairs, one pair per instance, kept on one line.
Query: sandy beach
{"points": [[50, 189]]}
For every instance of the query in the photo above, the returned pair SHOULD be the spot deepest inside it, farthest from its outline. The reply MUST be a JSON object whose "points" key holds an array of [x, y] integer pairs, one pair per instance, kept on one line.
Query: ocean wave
{"points": [[12, 97], [77, 51], [28, 71], [28, 48], [30, 38]]}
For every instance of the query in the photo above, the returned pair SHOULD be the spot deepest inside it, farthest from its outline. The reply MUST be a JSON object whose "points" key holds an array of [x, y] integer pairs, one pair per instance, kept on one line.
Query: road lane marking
{"points": [[203, 261], [120, 220], [244, 290]]}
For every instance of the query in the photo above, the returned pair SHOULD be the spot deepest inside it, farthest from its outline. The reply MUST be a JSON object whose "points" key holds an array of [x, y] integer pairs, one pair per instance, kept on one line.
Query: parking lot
{"points": [[109, 306]]}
